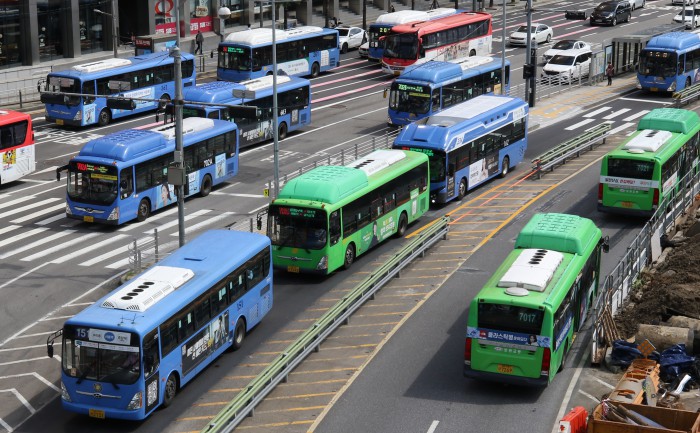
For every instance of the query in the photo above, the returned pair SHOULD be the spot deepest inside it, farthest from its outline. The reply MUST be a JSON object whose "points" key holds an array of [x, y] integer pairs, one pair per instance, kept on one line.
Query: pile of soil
{"points": [[670, 288]]}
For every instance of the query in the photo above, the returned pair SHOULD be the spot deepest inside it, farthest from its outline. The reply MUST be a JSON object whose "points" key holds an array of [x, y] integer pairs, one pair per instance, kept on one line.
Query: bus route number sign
{"points": [[297, 212]]}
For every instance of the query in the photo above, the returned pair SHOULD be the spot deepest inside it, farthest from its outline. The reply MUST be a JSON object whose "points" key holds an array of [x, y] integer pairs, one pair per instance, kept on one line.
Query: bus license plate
{"points": [[654, 89], [94, 413], [89, 219], [294, 269], [59, 121], [627, 204], [507, 369]]}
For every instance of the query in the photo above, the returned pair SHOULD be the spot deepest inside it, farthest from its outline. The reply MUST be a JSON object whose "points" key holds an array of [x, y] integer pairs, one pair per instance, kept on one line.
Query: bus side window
{"points": [[151, 358], [334, 227], [88, 89], [436, 100], [126, 182]]}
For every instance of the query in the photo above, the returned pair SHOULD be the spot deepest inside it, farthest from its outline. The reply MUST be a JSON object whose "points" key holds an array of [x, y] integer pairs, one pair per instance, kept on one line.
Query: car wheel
{"points": [[344, 48], [549, 38], [614, 22]]}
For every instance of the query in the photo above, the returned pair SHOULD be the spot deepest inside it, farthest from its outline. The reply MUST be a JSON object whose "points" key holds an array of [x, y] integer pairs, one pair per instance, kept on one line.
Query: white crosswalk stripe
{"points": [[133, 226], [175, 222], [208, 222], [636, 115], [28, 207], [616, 113], [622, 127], [19, 236], [86, 249], [51, 219], [76, 241], [37, 243], [584, 122], [596, 112], [39, 213], [11, 203]]}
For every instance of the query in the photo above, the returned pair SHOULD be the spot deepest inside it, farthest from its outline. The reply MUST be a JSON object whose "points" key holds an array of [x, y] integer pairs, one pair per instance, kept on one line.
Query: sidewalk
{"points": [[568, 104]]}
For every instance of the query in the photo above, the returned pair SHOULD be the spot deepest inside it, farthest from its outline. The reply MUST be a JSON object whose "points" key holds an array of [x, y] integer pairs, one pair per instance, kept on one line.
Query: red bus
{"points": [[453, 37], [16, 146]]}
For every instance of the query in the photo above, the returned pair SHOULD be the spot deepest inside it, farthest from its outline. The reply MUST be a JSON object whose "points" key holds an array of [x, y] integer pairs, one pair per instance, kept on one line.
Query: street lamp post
{"points": [[223, 13], [115, 36]]}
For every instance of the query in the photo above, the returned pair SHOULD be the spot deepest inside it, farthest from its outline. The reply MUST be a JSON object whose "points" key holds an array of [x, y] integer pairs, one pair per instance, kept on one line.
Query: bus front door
{"points": [[451, 179]]}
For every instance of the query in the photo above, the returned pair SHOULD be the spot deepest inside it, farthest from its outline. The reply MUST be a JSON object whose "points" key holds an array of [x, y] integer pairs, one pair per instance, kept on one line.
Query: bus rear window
{"points": [[510, 318], [630, 168]]}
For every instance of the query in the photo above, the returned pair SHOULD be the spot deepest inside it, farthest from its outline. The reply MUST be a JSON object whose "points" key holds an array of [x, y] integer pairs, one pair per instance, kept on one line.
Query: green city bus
{"points": [[522, 323], [325, 218], [645, 171]]}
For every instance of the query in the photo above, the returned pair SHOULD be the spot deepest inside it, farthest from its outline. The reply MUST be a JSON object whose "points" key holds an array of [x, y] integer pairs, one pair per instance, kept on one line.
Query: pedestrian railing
{"points": [[619, 283], [686, 95], [309, 341], [570, 148]]}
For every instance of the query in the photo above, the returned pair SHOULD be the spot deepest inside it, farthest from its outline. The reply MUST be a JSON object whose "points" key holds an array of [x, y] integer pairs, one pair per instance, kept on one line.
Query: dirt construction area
{"points": [[669, 288]]}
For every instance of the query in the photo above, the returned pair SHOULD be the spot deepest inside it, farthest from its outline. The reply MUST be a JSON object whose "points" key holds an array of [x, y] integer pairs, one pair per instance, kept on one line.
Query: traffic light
{"points": [[528, 70], [121, 104]]}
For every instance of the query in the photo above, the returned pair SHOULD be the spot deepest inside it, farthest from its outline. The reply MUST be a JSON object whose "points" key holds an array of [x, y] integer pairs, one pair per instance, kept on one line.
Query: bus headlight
{"points": [[64, 393], [136, 401], [639, 85], [322, 264], [78, 115], [68, 211], [672, 87], [114, 215]]}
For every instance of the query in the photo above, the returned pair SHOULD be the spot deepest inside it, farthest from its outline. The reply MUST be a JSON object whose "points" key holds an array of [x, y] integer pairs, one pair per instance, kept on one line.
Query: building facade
{"points": [[33, 32]]}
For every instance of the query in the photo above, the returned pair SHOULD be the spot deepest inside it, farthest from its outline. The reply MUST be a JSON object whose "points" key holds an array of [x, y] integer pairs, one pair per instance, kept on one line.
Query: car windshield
{"points": [[689, 12], [562, 60], [564, 45], [523, 29], [605, 7], [343, 32]]}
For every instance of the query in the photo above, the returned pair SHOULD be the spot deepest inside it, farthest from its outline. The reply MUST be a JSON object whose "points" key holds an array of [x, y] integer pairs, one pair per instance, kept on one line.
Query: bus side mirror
{"points": [[49, 350], [211, 54], [606, 244]]}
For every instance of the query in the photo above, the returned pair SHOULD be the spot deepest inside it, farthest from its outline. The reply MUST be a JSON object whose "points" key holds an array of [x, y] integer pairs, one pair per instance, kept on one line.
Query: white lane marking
{"points": [[15, 201], [89, 248], [30, 206], [204, 223], [20, 236], [36, 214], [579, 124], [621, 127], [598, 111], [614, 114], [37, 243], [636, 115], [151, 218], [75, 241], [433, 426], [48, 221], [175, 222]]}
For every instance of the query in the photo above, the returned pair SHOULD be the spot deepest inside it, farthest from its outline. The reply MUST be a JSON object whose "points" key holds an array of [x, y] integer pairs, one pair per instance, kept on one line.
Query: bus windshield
{"points": [[630, 168], [92, 183], [235, 58], [298, 227], [658, 63], [510, 318], [64, 85], [103, 362], [410, 98], [401, 46]]}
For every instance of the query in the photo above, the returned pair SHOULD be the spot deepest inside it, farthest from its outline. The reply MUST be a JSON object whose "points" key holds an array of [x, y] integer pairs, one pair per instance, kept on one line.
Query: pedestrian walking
{"points": [[392, 8], [609, 71], [199, 39]]}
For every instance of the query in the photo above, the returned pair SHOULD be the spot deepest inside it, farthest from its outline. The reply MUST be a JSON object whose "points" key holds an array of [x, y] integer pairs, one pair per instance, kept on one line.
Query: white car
{"points": [[682, 2], [539, 32], [686, 16], [364, 50], [350, 37], [567, 67], [564, 45], [634, 4]]}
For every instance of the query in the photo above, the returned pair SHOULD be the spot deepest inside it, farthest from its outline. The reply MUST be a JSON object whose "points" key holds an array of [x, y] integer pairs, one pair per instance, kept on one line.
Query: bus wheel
{"points": [[349, 256], [144, 210], [170, 390], [164, 100], [206, 186], [687, 82], [505, 167], [238, 334], [462, 189], [344, 48], [472, 53], [282, 131], [105, 117], [315, 70], [403, 224]]}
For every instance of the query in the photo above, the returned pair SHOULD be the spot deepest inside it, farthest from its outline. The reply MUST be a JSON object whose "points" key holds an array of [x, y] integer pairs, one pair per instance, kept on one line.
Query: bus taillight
{"points": [[546, 358], [655, 200], [468, 352], [600, 192]]}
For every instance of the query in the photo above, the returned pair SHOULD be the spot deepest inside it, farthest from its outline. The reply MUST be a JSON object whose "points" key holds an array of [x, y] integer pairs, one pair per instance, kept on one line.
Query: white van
{"points": [[567, 67]]}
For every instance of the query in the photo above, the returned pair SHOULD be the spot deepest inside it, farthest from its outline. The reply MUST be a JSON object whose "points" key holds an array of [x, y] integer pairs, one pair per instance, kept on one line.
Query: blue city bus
{"points": [[293, 106], [469, 143], [669, 62], [388, 20], [124, 175], [150, 76], [133, 350], [301, 51], [425, 89]]}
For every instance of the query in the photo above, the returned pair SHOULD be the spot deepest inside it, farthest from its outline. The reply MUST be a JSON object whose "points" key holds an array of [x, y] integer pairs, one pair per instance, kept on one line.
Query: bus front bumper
{"points": [[439, 196], [67, 122], [542, 381], [87, 219], [103, 412]]}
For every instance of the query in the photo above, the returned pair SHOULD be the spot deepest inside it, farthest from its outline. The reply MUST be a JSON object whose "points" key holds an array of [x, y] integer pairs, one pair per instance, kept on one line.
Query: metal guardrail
{"points": [[619, 283], [244, 403], [560, 154], [686, 95]]}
